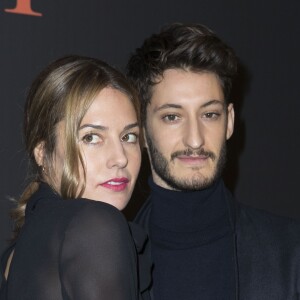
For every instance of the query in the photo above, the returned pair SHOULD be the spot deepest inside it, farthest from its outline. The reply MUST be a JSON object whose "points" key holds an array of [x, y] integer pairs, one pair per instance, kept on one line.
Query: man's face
{"points": [[186, 129]]}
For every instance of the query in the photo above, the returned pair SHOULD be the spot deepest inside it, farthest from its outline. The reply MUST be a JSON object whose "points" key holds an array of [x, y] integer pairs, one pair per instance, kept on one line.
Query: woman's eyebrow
{"points": [[131, 126], [99, 127]]}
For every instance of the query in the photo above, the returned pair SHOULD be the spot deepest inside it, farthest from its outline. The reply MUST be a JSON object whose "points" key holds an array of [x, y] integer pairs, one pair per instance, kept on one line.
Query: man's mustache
{"points": [[190, 152]]}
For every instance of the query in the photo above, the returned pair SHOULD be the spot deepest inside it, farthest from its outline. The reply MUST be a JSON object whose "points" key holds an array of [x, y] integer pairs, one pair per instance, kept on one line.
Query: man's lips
{"points": [[192, 159], [116, 184]]}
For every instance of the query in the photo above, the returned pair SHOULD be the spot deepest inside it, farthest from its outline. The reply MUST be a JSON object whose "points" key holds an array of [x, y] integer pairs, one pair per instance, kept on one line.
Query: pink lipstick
{"points": [[116, 184]]}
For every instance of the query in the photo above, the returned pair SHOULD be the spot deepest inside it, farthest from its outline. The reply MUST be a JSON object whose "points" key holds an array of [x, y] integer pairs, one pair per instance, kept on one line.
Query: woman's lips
{"points": [[116, 184]]}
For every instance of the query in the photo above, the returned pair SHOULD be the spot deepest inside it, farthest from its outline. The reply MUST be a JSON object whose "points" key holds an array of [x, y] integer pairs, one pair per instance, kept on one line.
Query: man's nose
{"points": [[193, 134]]}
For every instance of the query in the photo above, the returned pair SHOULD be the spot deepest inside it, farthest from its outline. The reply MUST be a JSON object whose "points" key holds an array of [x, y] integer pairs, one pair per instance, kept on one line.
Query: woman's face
{"points": [[109, 144]]}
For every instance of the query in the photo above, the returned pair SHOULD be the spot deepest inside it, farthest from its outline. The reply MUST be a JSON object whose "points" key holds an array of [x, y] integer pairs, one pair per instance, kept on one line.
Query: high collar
{"points": [[188, 219], [44, 191], [188, 211]]}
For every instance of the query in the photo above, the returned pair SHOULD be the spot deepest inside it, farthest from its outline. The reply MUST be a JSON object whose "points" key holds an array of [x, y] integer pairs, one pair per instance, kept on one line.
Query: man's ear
{"points": [[39, 153], [230, 121]]}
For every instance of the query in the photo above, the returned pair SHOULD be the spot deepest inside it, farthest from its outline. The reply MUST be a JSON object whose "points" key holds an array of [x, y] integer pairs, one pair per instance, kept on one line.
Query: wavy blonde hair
{"points": [[63, 91]]}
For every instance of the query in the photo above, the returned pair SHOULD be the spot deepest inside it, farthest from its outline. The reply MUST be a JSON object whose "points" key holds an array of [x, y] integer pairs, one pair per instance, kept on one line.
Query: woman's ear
{"points": [[39, 153]]}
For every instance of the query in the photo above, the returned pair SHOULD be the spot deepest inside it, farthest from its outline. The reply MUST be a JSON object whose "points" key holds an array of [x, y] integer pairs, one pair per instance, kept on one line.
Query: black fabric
{"points": [[74, 249], [266, 252], [192, 244]]}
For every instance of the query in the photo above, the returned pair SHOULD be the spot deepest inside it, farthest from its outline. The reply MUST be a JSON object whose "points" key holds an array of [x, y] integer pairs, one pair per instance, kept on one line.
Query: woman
{"points": [[82, 135]]}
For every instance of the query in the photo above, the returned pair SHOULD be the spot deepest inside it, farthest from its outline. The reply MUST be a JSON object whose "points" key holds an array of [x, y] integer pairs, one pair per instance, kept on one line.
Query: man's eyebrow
{"points": [[168, 105], [171, 105], [212, 102]]}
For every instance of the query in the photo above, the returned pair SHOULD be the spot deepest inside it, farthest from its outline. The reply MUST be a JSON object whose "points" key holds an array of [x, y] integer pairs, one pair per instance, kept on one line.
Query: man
{"points": [[203, 244]]}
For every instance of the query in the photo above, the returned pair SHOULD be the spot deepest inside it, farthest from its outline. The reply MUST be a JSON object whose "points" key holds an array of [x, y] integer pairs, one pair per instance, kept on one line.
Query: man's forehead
{"points": [[182, 87]]}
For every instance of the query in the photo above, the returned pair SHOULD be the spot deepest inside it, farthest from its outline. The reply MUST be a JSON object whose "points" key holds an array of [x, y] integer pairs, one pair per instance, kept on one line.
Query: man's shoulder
{"points": [[246, 211], [247, 219], [262, 222]]}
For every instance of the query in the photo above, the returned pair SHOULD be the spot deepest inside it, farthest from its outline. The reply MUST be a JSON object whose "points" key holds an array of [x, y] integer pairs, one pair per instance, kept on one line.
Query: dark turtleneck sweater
{"points": [[192, 244]]}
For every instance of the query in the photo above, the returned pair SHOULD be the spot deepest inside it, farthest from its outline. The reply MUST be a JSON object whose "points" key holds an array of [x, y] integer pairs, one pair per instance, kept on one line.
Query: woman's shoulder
{"points": [[48, 210], [47, 203], [97, 228], [95, 220], [97, 212]]}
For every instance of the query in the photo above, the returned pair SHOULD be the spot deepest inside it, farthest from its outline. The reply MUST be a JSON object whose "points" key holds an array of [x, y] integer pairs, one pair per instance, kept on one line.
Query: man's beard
{"points": [[197, 182]]}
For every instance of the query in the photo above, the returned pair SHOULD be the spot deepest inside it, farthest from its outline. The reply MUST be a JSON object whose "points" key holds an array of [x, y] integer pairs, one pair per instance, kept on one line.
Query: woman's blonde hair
{"points": [[63, 91]]}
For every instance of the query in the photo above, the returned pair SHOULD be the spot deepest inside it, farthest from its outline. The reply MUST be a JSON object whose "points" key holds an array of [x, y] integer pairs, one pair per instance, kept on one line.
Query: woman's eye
{"points": [[130, 138], [170, 118], [91, 139]]}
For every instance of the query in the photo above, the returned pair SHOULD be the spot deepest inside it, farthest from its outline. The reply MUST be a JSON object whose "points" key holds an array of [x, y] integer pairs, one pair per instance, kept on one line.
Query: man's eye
{"points": [[211, 115], [91, 139], [170, 118], [130, 138]]}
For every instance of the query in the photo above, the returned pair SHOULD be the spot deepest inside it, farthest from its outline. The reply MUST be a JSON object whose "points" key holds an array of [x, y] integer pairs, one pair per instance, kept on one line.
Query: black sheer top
{"points": [[76, 249]]}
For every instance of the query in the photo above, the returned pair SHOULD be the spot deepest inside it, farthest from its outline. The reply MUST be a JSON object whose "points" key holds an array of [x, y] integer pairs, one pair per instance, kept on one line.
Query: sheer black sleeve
{"points": [[98, 259]]}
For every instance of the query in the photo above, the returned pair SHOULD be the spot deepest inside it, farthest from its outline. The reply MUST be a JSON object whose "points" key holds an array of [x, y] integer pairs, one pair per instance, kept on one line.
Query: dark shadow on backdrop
{"points": [[236, 144], [141, 191]]}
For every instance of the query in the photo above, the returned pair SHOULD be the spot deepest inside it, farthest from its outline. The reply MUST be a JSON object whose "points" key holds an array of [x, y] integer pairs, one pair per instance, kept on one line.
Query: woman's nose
{"points": [[117, 156]]}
